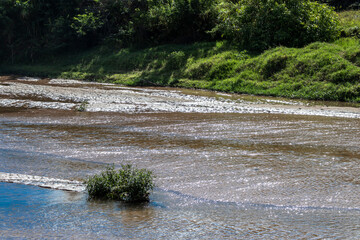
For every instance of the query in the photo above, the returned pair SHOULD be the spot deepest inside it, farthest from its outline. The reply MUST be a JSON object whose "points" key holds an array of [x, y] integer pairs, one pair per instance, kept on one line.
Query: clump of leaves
{"points": [[82, 106], [127, 184], [262, 24]]}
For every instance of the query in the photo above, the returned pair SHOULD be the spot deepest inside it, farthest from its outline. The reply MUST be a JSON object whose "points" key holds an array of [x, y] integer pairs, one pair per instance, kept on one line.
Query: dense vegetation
{"points": [[33, 28], [126, 184], [260, 24], [291, 48]]}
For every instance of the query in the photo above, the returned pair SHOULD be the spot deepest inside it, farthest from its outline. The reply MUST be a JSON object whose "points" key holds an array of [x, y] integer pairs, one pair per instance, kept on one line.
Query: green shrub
{"points": [[127, 184], [222, 70], [198, 70], [261, 24], [175, 60]]}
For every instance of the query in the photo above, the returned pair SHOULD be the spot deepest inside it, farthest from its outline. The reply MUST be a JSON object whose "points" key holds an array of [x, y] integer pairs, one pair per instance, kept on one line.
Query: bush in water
{"points": [[126, 184]]}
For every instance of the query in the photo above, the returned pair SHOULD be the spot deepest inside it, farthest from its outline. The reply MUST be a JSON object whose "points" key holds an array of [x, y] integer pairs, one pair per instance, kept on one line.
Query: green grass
{"points": [[319, 71]]}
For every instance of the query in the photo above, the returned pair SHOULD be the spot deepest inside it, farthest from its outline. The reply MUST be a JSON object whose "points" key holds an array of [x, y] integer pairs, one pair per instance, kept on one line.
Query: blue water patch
{"points": [[34, 213], [18, 196]]}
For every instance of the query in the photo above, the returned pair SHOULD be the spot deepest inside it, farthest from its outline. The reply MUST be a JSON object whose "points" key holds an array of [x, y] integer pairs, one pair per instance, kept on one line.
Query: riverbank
{"points": [[319, 71], [80, 96]]}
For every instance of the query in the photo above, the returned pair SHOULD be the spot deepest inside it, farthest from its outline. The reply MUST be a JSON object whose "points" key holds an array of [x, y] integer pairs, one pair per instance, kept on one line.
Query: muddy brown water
{"points": [[227, 166]]}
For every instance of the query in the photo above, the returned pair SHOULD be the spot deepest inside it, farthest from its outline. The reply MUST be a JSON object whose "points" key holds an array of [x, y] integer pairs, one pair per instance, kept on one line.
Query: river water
{"points": [[227, 166]]}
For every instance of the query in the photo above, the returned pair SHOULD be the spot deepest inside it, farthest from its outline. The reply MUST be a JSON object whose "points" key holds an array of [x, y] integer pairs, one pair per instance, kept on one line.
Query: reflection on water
{"points": [[267, 159], [244, 176], [32, 212]]}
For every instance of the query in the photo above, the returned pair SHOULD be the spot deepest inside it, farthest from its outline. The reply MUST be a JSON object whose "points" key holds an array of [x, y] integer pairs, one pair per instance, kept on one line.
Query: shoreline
{"points": [[75, 95], [319, 71]]}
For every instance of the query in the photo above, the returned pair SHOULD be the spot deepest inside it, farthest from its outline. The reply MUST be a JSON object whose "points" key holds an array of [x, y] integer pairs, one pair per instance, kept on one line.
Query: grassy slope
{"points": [[325, 71]]}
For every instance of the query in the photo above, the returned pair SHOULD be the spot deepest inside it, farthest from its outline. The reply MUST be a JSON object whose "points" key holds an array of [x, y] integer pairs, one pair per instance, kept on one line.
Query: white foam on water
{"points": [[28, 79], [45, 182], [76, 82]]}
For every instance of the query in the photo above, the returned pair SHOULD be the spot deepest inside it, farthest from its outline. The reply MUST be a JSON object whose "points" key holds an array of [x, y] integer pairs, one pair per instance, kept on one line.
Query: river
{"points": [[227, 166]]}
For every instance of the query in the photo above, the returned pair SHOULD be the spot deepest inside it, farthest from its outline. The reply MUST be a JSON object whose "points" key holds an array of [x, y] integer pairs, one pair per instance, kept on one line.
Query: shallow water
{"points": [[33, 212], [219, 174]]}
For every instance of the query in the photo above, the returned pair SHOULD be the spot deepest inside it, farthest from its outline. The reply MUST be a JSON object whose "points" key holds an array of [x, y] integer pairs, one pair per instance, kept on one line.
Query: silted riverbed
{"points": [[227, 166]]}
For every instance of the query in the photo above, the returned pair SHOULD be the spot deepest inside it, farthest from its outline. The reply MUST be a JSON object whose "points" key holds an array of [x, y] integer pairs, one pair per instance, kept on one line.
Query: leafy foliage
{"points": [[87, 22], [127, 184], [31, 29], [261, 24]]}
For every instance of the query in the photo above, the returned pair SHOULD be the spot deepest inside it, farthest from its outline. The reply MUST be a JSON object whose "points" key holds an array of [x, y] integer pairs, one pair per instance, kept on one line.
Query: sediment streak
{"points": [[45, 182]]}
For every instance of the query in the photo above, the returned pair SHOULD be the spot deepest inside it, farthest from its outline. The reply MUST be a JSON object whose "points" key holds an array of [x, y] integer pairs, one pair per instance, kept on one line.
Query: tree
{"points": [[261, 24]]}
